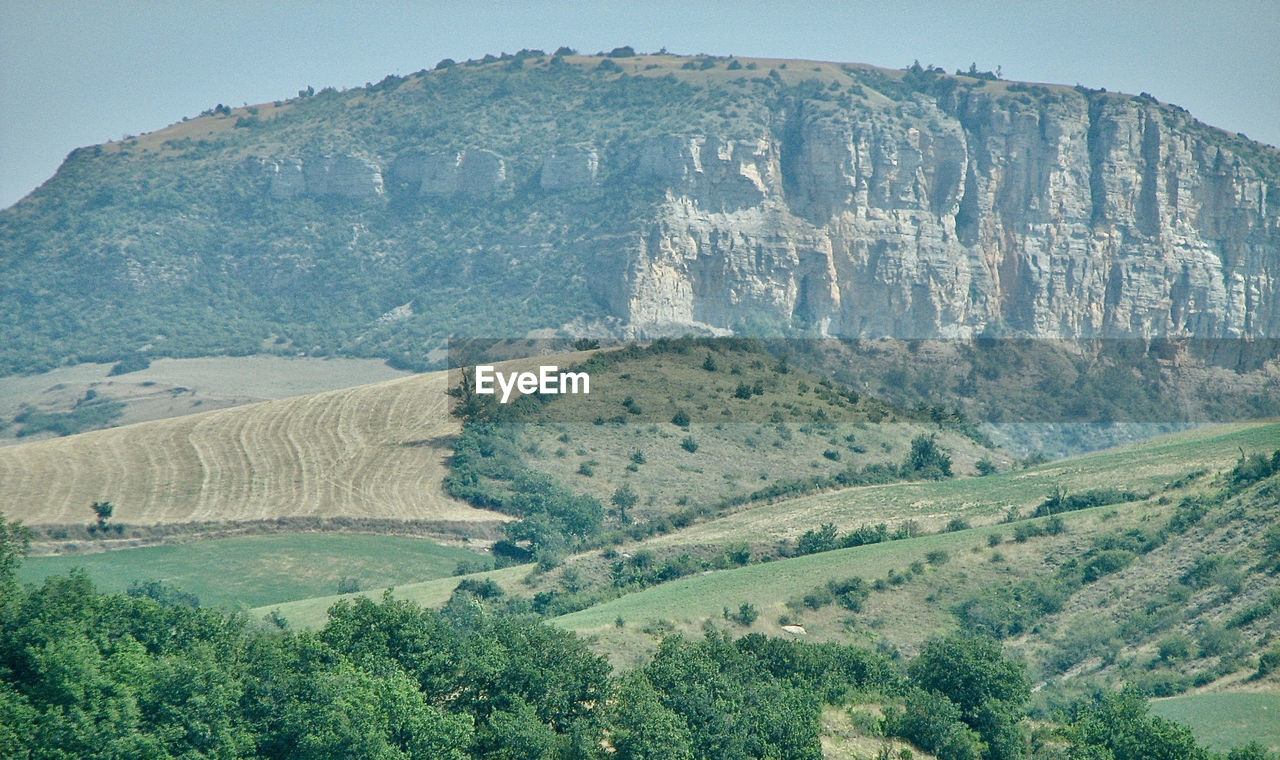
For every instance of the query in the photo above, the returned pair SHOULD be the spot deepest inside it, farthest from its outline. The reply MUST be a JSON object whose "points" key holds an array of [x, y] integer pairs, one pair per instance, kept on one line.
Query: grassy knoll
{"points": [[259, 570], [1221, 721]]}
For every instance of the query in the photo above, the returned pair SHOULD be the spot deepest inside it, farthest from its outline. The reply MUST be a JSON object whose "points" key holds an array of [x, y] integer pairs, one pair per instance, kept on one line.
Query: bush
{"points": [[481, 589], [746, 614], [1174, 648], [820, 539], [681, 419], [1268, 662], [130, 363], [689, 445], [927, 460], [1060, 501], [932, 722], [819, 598], [1106, 562], [739, 553]]}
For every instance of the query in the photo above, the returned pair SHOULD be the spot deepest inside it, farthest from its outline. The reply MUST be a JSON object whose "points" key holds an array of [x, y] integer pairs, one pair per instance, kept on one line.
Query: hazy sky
{"points": [[83, 72]]}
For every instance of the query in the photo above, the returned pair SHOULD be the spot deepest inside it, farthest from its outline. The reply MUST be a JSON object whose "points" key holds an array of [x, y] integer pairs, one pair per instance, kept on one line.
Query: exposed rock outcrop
{"points": [[345, 176], [1083, 216], [1075, 214], [472, 172], [570, 168]]}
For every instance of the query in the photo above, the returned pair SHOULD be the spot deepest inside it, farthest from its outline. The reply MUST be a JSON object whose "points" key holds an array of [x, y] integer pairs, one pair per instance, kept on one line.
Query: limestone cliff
{"points": [[1087, 216], [1078, 214]]}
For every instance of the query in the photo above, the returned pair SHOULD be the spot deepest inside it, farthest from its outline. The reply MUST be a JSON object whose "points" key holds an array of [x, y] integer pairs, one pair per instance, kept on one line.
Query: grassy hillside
{"points": [[1165, 471], [1142, 468], [259, 570], [694, 425]]}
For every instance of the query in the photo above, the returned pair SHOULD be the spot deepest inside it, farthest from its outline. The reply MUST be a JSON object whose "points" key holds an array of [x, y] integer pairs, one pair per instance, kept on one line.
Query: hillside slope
{"points": [[640, 194], [375, 451]]}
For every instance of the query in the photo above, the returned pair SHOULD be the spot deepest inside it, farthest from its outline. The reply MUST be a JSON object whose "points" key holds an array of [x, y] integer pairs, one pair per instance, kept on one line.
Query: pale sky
{"points": [[84, 72]]}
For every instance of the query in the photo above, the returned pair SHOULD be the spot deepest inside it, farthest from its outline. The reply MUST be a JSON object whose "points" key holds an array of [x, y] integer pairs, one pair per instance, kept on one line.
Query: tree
{"points": [[516, 734], [14, 540], [645, 729], [990, 690], [103, 510], [971, 671], [624, 499], [1119, 725], [932, 722], [821, 539]]}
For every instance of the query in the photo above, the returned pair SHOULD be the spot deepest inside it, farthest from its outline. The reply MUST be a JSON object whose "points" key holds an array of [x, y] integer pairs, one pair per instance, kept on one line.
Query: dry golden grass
{"points": [[375, 451]]}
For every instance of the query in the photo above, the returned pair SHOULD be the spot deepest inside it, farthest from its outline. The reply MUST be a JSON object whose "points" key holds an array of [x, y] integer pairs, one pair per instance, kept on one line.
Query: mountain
{"points": [[634, 195]]}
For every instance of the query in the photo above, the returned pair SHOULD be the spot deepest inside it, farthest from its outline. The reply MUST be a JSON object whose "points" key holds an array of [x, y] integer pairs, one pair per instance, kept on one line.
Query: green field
{"points": [[314, 612], [1222, 721], [260, 570]]}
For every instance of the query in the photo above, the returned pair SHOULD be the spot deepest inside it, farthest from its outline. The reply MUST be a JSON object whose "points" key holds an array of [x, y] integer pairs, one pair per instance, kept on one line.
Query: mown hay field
{"points": [[374, 451]]}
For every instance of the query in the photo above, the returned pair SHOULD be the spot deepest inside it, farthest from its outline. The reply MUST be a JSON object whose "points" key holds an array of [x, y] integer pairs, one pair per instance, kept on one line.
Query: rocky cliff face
{"points": [[1074, 215], [1085, 217], [345, 176]]}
